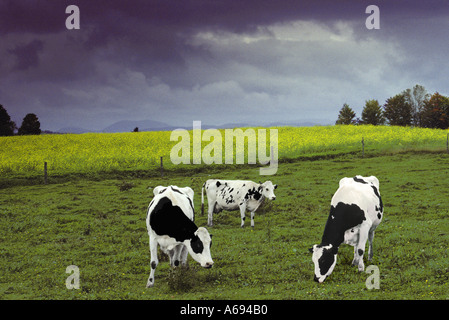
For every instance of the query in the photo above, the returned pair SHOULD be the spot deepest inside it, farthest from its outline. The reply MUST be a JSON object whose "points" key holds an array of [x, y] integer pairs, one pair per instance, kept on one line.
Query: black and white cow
{"points": [[170, 223], [356, 211], [234, 195]]}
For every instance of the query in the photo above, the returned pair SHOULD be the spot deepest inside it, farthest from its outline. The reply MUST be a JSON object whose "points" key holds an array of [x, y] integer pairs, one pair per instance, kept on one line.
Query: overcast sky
{"points": [[255, 61]]}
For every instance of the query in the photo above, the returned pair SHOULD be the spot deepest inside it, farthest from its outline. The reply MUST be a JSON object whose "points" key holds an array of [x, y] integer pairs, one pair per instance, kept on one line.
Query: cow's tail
{"points": [[202, 199]]}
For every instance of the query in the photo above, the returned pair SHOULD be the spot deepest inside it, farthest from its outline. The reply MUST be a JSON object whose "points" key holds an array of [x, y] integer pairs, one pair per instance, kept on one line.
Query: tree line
{"points": [[30, 124], [412, 107]]}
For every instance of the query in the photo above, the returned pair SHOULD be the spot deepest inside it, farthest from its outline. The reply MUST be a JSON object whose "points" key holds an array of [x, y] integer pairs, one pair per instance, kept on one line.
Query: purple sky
{"points": [[255, 61]]}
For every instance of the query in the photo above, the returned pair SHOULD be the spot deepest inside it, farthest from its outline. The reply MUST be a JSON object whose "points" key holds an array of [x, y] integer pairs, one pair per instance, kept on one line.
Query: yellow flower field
{"points": [[106, 152]]}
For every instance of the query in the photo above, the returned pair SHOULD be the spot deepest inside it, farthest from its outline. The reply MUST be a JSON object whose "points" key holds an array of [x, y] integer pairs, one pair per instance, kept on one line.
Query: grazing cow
{"points": [[170, 224], [356, 211], [235, 194]]}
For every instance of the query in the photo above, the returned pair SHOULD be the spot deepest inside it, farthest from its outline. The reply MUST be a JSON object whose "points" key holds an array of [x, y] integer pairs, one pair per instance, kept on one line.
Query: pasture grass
{"points": [[99, 226]]}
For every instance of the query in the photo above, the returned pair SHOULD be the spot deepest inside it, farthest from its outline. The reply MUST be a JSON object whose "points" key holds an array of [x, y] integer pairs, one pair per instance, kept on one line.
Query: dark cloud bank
{"points": [[216, 61]]}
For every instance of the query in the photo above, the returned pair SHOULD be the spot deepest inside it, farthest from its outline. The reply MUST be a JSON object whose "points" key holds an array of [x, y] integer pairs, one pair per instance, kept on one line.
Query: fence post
{"points": [[162, 167], [363, 147], [45, 172]]}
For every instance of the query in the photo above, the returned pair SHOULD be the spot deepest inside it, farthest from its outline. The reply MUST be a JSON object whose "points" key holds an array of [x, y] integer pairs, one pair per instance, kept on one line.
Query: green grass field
{"points": [[95, 224]]}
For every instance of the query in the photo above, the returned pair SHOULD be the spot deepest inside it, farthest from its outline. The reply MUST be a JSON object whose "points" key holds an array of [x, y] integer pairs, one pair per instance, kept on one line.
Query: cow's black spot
{"points": [[230, 199], [243, 218], [196, 244], [255, 194], [359, 180], [176, 190], [376, 192], [360, 252], [170, 220], [327, 259], [341, 218], [379, 216], [176, 263], [153, 265], [218, 184]]}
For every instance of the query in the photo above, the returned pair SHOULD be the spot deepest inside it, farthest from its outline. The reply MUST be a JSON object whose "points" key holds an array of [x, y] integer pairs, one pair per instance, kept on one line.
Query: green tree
{"points": [[30, 125], [417, 98], [372, 113], [7, 126], [398, 111], [435, 113], [346, 115]]}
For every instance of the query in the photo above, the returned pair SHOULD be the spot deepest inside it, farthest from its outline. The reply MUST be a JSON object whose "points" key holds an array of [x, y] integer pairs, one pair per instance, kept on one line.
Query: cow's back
{"points": [[363, 195], [169, 213], [230, 193]]}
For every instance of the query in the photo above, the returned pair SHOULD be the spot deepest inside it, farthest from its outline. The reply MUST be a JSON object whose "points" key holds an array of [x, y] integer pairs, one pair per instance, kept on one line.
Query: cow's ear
{"points": [[156, 190], [275, 186]]}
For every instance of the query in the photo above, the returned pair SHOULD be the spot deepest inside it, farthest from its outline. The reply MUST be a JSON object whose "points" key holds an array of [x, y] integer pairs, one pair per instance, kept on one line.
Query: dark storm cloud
{"points": [[26, 55], [179, 61]]}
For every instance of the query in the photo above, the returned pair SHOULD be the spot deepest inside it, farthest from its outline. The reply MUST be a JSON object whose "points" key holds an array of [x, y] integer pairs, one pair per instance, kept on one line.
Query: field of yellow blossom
{"points": [[111, 152]]}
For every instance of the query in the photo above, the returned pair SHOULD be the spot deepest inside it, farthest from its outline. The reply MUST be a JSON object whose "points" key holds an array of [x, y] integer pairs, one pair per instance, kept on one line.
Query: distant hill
{"points": [[73, 130], [129, 125], [294, 124], [151, 125]]}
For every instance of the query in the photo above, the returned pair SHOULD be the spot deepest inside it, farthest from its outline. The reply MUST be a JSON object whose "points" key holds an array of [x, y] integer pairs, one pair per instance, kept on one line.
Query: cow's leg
{"points": [[177, 255], [252, 218], [184, 254], [358, 256], [355, 260], [154, 261], [370, 250], [210, 212], [171, 254], [242, 207]]}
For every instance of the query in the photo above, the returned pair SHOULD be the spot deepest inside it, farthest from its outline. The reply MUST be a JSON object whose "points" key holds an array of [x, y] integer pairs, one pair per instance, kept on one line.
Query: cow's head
{"points": [[324, 258], [199, 247], [268, 190]]}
